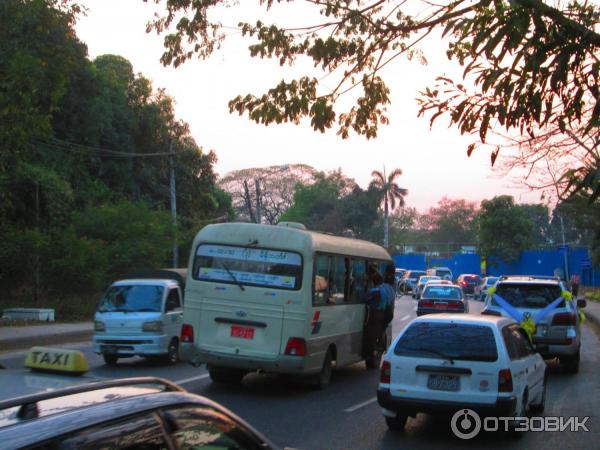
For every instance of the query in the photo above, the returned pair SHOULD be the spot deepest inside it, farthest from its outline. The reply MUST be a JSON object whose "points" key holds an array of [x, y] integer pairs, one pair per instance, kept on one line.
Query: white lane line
{"points": [[360, 405], [189, 380], [405, 317]]}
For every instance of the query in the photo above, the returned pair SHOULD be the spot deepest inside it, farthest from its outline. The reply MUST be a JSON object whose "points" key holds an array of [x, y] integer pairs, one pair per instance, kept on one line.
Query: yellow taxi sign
{"points": [[56, 360]]}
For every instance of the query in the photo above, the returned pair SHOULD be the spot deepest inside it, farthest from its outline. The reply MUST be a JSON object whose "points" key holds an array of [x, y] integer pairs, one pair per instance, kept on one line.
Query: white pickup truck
{"points": [[141, 315]]}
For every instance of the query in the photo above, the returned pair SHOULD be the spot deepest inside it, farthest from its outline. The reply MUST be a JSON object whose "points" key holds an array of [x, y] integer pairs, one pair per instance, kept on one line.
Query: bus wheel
{"points": [[323, 379], [225, 375]]}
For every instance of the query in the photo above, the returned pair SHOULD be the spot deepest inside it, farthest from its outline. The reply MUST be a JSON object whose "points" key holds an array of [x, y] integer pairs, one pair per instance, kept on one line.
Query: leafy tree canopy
{"points": [[528, 64]]}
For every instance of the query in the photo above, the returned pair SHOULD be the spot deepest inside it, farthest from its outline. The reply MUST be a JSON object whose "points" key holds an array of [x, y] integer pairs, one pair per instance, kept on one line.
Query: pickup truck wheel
{"points": [[172, 355], [396, 423], [111, 360]]}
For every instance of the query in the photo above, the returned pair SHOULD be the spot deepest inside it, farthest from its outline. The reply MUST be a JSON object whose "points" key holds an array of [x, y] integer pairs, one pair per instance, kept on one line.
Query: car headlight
{"points": [[99, 325], [152, 326]]}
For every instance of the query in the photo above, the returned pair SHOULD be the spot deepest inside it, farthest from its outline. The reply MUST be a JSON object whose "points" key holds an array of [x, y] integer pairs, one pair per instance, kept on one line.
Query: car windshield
{"points": [[453, 341], [415, 274], [442, 292], [528, 295], [472, 279], [428, 278], [490, 280], [248, 266], [130, 298]]}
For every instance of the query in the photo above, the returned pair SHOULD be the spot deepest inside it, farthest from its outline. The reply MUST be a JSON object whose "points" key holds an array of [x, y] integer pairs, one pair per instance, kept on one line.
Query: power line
{"points": [[72, 146]]}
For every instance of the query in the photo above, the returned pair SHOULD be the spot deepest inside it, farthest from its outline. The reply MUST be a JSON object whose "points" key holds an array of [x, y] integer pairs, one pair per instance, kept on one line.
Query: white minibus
{"points": [[277, 298]]}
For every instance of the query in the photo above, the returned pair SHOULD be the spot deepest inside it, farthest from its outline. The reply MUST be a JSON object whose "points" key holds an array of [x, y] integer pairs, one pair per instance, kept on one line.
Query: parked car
{"points": [[482, 288], [468, 282], [443, 272], [140, 413], [418, 290], [558, 333], [437, 298], [141, 314], [409, 280], [442, 363]]}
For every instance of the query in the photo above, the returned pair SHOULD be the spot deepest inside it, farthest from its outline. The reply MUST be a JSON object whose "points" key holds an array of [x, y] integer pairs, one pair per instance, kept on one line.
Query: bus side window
{"points": [[358, 282], [321, 284], [337, 276]]}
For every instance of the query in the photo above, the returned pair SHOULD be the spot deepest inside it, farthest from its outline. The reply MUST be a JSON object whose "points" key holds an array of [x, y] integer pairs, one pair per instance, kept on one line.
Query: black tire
{"points": [[110, 360], [172, 355], [374, 361], [539, 407], [570, 363], [396, 423], [323, 378], [225, 375]]}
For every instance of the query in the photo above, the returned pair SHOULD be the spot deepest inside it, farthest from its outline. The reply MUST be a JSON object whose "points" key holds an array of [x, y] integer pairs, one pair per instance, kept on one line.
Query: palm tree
{"points": [[392, 195]]}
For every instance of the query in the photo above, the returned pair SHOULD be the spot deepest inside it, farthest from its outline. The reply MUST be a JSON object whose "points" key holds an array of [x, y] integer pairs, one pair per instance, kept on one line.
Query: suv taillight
{"points": [[568, 319], [505, 381], [187, 333], [386, 370], [296, 346]]}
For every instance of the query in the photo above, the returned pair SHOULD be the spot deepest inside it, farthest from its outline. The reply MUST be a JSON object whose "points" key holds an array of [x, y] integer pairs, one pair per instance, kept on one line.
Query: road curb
{"points": [[23, 343]]}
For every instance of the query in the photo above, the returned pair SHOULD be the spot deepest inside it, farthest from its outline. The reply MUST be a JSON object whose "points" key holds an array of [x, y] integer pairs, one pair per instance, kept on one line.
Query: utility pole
{"points": [[173, 203], [564, 246], [258, 206]]}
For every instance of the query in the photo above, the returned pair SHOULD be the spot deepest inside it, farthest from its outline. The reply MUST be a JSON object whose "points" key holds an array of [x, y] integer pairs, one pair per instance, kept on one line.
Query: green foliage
{"points": [[85, 162], [452, 221], [505, 229]]}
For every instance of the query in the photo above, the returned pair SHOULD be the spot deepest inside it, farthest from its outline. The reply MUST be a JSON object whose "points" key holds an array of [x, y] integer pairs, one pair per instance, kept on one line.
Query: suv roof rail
{"points": [[530, 277], [27, 403]]}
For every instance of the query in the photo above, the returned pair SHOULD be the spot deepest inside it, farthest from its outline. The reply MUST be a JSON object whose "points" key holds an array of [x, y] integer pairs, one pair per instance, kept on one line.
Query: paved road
{"points": [[346, 415]]}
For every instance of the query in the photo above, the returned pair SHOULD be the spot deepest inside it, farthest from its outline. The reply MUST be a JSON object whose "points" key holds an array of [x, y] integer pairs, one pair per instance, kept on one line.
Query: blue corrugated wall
{"points": [[531, 262]]}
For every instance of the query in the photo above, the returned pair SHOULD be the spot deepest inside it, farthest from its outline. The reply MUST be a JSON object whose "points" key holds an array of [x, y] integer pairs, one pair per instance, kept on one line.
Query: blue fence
{"points": [[531, 262]]}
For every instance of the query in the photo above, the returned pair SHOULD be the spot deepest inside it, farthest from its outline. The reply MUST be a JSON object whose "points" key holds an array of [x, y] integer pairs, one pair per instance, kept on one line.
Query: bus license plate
{"points": [[242, 332], [443, 382]]}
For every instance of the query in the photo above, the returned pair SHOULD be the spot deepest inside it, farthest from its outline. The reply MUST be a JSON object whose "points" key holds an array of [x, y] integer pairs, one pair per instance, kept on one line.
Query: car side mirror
{"points": [[581, 303]]}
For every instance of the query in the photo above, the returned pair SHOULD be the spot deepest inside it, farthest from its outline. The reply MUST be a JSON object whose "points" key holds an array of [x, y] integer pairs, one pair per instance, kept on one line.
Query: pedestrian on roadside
{"points": [[575, 285], [378, 300]]}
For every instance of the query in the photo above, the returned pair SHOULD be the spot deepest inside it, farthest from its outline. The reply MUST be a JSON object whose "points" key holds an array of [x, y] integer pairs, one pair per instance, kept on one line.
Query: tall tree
{"points": [[451, 222], [504, 229], [391, 194], [530, 63]]}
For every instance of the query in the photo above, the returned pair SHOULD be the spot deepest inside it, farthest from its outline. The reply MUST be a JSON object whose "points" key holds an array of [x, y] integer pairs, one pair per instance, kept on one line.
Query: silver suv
{"points": [[558, 333]]}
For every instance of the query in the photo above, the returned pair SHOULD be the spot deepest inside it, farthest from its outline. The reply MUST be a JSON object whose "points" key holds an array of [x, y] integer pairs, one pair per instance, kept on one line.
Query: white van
{"points": [[443, 272], [141, 315], [277, 299]]}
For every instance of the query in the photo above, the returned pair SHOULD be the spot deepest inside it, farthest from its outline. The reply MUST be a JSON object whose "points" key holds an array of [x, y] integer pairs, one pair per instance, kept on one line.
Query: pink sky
{"points": [[434, 161]]}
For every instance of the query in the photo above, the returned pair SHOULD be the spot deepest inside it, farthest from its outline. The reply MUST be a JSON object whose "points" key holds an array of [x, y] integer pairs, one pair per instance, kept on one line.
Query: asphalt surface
{"points": [[346, 414]]}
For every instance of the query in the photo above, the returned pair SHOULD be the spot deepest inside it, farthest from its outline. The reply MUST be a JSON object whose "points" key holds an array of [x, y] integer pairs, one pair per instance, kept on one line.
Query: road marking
{"points": [[360, 405], [189, 380], [405, 317]]}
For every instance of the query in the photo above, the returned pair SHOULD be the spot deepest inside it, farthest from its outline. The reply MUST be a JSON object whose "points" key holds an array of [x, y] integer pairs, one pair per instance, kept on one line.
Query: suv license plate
{"points": [[443, 382], [242, 332]]}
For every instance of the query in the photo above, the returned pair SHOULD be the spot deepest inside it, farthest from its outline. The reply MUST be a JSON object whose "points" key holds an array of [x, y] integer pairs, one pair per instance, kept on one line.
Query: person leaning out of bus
{"points": [[389, 285], [378, 299]]}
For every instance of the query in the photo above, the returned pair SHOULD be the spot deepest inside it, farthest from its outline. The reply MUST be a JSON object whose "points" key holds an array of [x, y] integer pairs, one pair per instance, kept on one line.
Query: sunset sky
{"points": [[434, 161]]}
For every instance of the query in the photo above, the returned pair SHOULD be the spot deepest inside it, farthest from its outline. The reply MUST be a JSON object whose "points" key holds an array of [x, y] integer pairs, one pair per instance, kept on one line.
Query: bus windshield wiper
{"points": [[236, 281]]}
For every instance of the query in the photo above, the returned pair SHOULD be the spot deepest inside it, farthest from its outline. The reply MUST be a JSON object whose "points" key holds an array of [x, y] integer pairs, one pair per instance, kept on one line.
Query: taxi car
{"points": [[442, 363], [558, 331], [132, 413], [423, 280]]}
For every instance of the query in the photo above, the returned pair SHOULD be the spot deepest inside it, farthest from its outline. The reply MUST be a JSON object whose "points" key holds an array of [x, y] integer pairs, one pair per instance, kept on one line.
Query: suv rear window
{"points": [[472, 279], [528, 295], [414, 274], [448, 340]]}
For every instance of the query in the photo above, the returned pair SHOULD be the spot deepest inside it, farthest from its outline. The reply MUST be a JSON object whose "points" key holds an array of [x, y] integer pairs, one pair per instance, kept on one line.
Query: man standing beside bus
{"points": [[379, 299]]}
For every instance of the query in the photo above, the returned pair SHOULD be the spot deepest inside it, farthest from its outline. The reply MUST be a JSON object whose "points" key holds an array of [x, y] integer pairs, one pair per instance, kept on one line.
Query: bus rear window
{"points": [[248, 266]]}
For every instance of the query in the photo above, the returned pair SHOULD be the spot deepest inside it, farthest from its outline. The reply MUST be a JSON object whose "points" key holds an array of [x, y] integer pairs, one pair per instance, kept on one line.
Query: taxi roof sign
{"points": [[56, 360]]}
